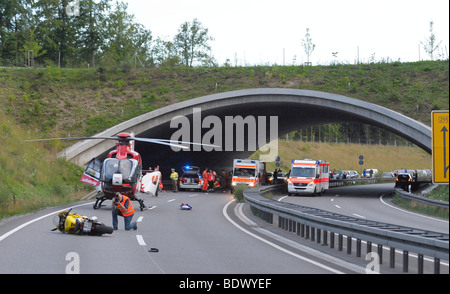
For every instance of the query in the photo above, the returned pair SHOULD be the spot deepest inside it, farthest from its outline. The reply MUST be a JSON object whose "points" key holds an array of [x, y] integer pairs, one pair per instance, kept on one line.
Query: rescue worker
{"points": [[211, 181], [121, 205], [205, 180], [174, 178]]}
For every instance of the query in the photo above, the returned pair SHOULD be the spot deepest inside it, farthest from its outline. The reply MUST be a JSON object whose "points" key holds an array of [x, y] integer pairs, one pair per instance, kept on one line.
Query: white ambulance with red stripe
{"points": [[249, 172], [308, 176]]}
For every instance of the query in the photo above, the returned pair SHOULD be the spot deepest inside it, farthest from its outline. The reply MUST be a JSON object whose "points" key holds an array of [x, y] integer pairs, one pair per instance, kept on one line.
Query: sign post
{"points": [[440, 146]]}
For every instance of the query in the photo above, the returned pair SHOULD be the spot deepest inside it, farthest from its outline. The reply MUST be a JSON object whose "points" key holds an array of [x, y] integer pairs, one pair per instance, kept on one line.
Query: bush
{"points": [[238, 192]]}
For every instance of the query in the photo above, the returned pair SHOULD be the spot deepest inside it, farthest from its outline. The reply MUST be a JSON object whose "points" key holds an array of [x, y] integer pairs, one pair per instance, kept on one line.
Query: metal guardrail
{"points": [[429, 201], [317, 224], [360, 181]]}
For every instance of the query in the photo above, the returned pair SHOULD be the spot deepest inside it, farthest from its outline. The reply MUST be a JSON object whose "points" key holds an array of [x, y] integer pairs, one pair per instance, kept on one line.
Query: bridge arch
{"points": [[294, 109]]}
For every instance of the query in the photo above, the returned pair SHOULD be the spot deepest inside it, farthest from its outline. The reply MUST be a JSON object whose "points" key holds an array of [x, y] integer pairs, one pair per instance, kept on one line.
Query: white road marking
{"points": [[337, 206], [224, 211], [140, 240], [357, 215], [283, 198], [153, 207], [4, 236], [171, 200], [193, 195], [139, 219], [410, 212]]}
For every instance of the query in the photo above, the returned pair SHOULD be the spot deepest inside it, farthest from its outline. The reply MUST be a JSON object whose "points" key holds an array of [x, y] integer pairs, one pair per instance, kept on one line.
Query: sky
{"points": [[268, 32]]}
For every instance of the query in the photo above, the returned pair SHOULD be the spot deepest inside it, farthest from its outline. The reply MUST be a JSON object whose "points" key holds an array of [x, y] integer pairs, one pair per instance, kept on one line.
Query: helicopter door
{"points": [[92, 173]]}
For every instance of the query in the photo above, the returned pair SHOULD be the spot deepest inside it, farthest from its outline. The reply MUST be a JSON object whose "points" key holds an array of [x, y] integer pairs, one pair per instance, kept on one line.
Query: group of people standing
{"points": [[212, 181]]}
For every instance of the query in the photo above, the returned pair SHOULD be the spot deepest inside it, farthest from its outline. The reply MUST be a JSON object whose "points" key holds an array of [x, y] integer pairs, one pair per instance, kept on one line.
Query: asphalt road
{"points": [[218, 236], [369, 202], [209, 239], [373, 202]]}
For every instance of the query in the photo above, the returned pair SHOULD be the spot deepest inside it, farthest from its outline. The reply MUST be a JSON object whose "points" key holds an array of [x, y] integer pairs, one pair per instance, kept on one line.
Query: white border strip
{"points": [[4, 236], [224, 211]]}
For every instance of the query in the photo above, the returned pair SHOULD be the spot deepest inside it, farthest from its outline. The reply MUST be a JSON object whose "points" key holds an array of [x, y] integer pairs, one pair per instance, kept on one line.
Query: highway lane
{"points": [[369, 202], [209, 239]]}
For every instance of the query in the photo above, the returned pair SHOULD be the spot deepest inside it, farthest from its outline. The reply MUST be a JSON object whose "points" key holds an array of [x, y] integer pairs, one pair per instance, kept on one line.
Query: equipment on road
{"points": [[73, 223], [122, 170], [185, 206]]}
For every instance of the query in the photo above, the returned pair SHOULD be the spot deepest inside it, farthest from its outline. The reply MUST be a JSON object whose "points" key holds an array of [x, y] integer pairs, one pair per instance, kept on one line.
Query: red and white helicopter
{"points": [[122, 170]]}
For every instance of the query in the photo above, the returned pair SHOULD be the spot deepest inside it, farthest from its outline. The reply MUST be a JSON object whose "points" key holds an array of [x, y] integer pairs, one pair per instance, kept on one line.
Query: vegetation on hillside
{"points": [[63, 102], [31, 175], [343, 156]]}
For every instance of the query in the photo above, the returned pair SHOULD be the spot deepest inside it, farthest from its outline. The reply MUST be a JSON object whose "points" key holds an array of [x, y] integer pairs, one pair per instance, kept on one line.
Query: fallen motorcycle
{"points": [[73, 223]]}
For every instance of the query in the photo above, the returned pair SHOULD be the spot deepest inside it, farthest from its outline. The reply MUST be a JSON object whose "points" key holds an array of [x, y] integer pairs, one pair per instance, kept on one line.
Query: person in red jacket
{"points": [[205, 180], [211, 180]]}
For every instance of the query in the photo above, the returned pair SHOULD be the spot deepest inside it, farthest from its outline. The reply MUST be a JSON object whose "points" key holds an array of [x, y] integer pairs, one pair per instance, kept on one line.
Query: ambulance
{"points": [[249, 172], [308, 177]]}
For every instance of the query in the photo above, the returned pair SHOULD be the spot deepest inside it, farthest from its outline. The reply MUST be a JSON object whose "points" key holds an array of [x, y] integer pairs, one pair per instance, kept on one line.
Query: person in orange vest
{"points": [[205, 180], [121, 205]]}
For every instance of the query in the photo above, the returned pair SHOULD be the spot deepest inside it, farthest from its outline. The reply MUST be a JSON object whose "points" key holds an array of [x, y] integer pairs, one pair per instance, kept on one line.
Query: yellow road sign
{"points": [[440, 146]]}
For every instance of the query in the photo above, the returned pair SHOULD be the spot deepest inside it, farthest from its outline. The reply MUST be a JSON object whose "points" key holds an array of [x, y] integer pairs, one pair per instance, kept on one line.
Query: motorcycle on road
{"points": [[73, 223]]}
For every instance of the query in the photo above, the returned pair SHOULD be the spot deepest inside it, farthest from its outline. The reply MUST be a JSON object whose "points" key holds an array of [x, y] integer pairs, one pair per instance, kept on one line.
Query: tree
{"points": [[55, 30], [164, 53], [191, 43], [126, 38], [308, 45], [14, 26], [31, 44], [90, 31], [430, 45]]}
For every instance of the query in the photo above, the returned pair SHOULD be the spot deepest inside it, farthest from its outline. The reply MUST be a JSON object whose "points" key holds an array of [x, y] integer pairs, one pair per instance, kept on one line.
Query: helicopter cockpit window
{"points": [[129, 168], [94, 168]]}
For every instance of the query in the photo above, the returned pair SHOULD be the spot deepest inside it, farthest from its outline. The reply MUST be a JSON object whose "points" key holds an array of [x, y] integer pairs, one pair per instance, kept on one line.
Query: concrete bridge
{"points": [[206, 118]]}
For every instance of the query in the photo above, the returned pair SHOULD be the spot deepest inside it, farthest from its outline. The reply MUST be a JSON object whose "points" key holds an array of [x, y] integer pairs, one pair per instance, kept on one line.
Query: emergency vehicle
{"points": [[308, 176], [249, 172]]}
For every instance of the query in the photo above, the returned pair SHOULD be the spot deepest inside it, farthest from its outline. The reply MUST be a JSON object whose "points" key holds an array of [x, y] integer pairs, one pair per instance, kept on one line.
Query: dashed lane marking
{"points": [[140, 240]]}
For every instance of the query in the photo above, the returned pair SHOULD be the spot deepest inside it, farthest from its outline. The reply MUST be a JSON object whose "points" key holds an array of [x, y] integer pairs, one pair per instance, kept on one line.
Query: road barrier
{"points": [[323, 226], [428, 201], [360, 181]]}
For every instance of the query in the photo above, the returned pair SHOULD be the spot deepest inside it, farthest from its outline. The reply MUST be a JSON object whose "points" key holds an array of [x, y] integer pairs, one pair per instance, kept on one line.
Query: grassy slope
{"points": [[31, 177], [61, 102], [345, 156]]}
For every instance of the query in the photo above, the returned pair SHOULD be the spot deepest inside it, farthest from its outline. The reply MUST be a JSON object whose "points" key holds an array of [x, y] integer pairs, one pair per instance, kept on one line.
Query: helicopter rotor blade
{"points": [[174, 143], [158, 141], [73, 139], [116, 138]]}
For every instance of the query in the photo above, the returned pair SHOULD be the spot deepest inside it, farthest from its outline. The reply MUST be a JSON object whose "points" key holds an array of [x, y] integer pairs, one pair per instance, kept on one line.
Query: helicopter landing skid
{"points": [[99, 202], [141, 203]]}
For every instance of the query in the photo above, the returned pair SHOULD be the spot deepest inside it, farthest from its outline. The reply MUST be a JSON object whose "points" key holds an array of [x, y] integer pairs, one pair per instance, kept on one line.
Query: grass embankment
{"points": [[80, 102], [31, 177], [344, 156]]}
